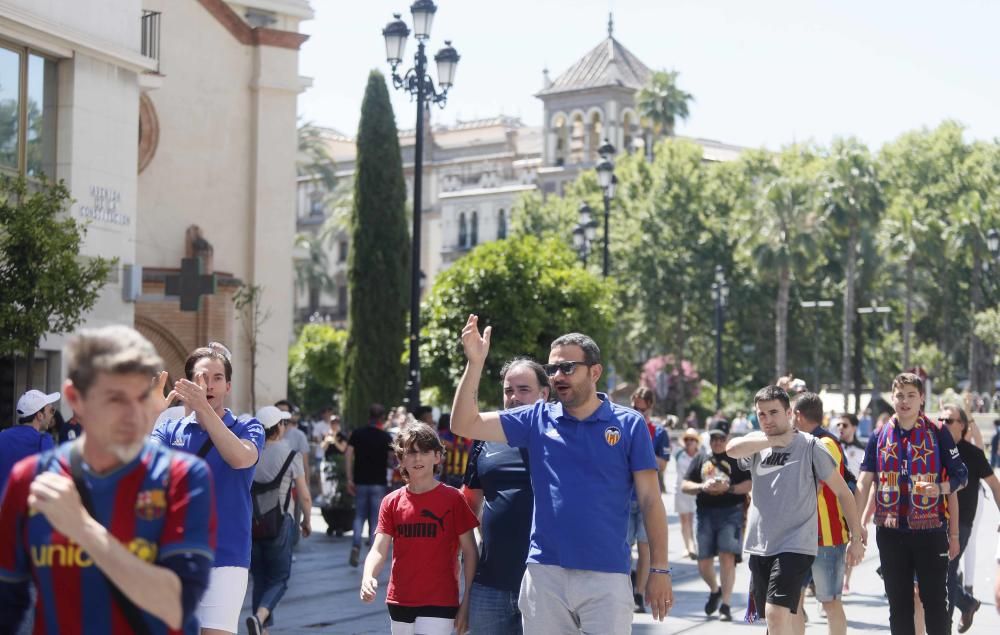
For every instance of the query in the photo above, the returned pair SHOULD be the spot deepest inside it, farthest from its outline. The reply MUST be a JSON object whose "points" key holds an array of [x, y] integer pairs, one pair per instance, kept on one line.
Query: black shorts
{"points": [[409, 614], [778, 579]]}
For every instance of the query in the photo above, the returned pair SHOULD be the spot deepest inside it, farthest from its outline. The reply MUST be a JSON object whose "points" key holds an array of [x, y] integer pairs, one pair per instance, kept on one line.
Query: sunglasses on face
{"points": [[567, 368], [949, 420]]}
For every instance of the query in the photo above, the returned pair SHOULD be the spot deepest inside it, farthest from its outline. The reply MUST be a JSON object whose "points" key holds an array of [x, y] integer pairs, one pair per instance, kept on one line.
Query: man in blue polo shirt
{"points": [[231, 447], [498, 483], [585, 455]]}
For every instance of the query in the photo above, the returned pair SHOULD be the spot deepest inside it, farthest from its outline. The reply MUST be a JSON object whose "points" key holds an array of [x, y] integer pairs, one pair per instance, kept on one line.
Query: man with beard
{"points": [[499, 488], [786, 467], [231, 447], [585, 455], [116, 532]]}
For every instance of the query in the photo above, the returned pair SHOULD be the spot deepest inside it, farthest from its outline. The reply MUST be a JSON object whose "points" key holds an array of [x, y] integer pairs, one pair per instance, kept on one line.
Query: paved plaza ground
{"points": [[323, 592]]}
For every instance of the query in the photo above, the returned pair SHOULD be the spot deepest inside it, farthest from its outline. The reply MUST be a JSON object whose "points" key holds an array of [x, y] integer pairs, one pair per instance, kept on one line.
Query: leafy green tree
{"points": [[314, 156], [316, 366], [661, 102], [852, 198], [920, 171], [529, 290], [45, 287], [378, 263]]}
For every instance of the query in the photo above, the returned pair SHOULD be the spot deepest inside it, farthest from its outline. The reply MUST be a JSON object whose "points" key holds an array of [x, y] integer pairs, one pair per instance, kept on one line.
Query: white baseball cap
{"points": [[269, 416], [33, 401]]}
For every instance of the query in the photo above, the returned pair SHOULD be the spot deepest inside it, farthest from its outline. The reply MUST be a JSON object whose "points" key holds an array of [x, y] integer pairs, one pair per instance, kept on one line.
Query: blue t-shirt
{"points": [[661, 444], [581, 475], [159, 506], [232, 487], [502, 473], [17, 443]]}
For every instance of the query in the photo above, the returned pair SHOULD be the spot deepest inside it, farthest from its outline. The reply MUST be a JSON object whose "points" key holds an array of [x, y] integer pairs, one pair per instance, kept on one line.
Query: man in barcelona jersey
{"points": [[116, 533]]}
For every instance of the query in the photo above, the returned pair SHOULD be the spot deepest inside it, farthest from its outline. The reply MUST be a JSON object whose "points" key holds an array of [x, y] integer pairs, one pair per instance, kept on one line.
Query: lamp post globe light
{"points": [[607, 179], [720, 294], [421, 87], [584, 232]]}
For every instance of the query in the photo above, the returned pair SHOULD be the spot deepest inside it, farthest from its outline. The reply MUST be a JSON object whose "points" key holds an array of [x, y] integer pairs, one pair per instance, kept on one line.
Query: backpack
{"points": [[266, 524]]}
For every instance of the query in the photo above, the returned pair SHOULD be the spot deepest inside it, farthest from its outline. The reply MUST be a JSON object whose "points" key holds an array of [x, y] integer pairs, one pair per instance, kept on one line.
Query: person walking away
{"points": [[280, 467], [367, 462], [426, 523]]}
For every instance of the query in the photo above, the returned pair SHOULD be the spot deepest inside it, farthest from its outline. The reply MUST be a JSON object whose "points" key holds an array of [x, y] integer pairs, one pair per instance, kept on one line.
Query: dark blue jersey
{"points": [[501, 472]]}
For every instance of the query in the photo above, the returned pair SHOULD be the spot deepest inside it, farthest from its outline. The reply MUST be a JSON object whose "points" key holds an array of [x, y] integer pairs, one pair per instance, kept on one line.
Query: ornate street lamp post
{"points": [[419, 84], [584, 232], [606, 177], [720, 293]]}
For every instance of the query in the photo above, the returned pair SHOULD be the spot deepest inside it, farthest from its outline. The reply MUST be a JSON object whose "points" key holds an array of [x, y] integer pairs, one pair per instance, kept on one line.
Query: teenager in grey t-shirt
{"points": [[785, 479]]}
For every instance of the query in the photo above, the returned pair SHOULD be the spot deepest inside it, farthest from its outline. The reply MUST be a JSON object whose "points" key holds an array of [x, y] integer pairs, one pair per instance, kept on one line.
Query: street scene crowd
{"points": [[159, 506]]}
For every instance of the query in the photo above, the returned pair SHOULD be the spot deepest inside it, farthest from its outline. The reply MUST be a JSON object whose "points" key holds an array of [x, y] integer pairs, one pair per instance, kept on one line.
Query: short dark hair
{"points": [[543, 379], [284, 402], [205, 352], [770, 393], [908, 379], [421, 411], [810, 406], [591, 352], [851, 418], [376, 411]]}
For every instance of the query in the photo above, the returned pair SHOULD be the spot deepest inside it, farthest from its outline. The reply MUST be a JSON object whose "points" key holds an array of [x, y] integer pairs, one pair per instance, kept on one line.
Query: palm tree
{"points": [[661, 103], [783, 244], [314, 155], [312, 273], [852, 202]]}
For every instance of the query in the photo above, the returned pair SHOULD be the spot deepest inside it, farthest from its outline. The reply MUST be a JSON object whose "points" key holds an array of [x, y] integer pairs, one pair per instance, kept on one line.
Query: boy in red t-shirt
{"points": [[425, 522]]}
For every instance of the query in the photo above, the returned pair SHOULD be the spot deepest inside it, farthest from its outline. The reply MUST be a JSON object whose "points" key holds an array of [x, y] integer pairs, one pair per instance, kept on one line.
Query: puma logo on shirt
{"points": [[426, 513]]}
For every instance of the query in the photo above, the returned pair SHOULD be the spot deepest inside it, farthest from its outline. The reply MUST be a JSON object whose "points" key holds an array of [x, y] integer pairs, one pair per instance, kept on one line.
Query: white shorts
{"points": [[220, 606], [684, 503], [423, 626]]}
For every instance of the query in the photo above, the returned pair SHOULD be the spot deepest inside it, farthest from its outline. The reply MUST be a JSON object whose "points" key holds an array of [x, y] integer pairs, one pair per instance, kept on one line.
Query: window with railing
{"points": [[151, 36], [28, 108]]}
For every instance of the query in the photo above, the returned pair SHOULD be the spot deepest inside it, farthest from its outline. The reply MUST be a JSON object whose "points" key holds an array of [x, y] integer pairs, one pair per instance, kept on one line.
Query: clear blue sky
{"points": [[763, 72]]}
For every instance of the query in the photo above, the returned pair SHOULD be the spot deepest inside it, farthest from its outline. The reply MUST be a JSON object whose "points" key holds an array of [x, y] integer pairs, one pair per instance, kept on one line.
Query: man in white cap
{"points": [[35, 414]]}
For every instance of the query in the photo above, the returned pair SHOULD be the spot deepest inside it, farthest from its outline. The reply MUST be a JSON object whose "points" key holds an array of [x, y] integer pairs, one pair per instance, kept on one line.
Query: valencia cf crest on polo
{"points": [[612, 435]]}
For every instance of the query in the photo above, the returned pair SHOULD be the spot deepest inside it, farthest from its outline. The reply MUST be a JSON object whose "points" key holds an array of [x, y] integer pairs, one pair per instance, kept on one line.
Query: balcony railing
{"points": [[151, 36]]}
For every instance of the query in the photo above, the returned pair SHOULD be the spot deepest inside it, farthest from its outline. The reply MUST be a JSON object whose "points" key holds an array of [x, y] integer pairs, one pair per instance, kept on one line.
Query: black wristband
{"points": [[663, 571]]}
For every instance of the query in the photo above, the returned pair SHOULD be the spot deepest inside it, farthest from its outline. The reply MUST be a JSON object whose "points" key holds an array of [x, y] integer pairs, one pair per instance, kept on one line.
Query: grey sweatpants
{"points": [[555, 600]]}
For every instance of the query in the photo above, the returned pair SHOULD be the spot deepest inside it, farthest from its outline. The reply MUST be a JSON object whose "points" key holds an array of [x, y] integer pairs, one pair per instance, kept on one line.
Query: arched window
{"points": [[501, 224], [474, 230], [463, 231]]}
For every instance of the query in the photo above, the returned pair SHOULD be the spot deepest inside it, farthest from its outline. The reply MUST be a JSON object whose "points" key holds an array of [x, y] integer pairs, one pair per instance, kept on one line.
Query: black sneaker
{"points": [[724, 614], [640, 607], [253, 626], [355, 555], [713, 602]]}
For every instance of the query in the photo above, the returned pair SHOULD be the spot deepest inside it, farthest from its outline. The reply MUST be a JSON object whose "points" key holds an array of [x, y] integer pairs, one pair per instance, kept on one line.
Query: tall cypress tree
{"points": [[379, 262]]}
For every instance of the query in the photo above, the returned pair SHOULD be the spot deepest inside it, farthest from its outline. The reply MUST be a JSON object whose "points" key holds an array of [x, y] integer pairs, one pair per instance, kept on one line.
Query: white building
{"points": [[71, 75], [160, 116]]}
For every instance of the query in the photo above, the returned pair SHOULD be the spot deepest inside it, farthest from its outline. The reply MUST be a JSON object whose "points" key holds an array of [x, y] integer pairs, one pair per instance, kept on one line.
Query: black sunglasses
{"points": [[567, 368], [949, 420]]}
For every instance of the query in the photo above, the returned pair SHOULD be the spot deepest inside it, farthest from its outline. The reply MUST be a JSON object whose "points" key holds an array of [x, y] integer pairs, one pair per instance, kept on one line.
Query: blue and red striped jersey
{"points": [[158, 506]]}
